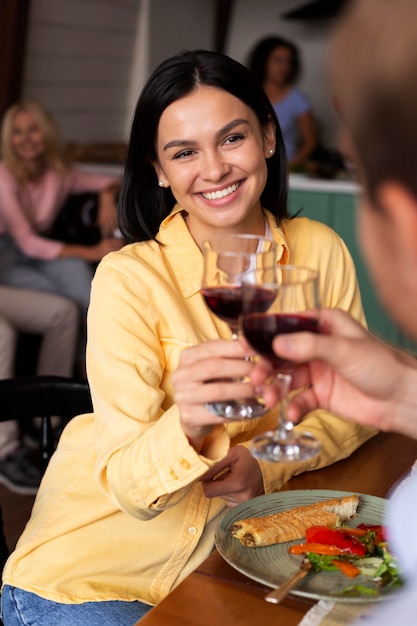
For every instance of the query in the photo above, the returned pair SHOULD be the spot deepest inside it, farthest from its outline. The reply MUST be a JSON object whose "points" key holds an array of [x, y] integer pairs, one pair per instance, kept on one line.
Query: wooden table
{"points": [[217, 595]]}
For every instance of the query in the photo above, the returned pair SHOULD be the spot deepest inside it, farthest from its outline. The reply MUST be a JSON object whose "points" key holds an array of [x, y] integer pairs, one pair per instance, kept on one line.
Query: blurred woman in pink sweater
{"points": [[35, 182]]}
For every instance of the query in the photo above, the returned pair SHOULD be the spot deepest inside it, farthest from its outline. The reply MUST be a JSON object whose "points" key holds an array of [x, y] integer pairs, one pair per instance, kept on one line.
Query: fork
{"points": [[284, 589]]}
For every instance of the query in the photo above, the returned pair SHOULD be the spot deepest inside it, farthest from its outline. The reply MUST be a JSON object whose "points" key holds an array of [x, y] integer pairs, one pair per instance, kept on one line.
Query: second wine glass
{"points": [[227, 258], [291, 295]]}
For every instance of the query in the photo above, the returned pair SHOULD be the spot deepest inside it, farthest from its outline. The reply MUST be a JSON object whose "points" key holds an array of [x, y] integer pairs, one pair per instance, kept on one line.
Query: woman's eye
{"points": [[183, 154], [233, 139]]}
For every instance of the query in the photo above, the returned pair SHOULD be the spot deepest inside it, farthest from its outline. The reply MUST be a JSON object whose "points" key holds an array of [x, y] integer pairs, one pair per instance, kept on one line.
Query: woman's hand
{"points": [[348, 371], [307, 139], [107, 212], [103, 247], [209, 372], [95, 253], [236, 478]]}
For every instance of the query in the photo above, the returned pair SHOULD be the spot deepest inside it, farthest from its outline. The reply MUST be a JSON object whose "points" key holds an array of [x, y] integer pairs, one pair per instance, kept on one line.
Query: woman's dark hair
{"points": [[259, 56], [143, 205]]}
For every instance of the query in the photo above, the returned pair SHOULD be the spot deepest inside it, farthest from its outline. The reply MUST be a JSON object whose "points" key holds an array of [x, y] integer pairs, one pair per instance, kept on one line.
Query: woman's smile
{"points": [[27, 137], [221, 193]]}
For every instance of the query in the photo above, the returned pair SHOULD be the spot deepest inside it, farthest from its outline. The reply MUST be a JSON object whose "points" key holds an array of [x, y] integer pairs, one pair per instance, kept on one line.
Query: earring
{"points": [[161, 183], [271, 152]]}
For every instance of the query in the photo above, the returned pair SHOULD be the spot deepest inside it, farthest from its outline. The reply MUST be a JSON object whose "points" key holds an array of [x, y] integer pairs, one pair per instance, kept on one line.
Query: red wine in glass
{"points": [[294, 307], [260, 330], [227, 258], [227, 302]]}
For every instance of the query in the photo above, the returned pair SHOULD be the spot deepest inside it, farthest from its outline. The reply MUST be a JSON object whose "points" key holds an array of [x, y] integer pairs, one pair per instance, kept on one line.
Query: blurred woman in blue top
{"points": [[276, 64]]}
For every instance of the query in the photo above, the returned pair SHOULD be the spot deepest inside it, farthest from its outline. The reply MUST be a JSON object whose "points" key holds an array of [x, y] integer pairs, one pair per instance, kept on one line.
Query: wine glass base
{"points": [[234, 410], [294, 446]]}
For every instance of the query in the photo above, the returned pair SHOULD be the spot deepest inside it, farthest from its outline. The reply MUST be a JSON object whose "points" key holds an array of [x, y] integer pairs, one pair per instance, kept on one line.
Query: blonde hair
{"points": [[54, 156]]}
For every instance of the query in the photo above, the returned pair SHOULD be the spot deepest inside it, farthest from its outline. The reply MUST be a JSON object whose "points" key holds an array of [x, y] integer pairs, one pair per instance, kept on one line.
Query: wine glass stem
{"points": [[285, 426]]}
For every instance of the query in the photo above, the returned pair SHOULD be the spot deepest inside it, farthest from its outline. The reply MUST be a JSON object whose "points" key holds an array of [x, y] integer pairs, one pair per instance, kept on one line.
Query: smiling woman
{"points": [[215, 168], [35, 182], [141, 498]]}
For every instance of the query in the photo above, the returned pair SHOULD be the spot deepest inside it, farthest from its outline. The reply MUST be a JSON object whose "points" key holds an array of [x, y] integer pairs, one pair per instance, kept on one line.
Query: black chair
{"points": [[25, 397]]}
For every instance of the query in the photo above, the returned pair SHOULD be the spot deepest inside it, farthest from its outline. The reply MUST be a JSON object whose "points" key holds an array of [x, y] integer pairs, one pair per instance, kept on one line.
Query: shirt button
{"points": [[192, 530]]}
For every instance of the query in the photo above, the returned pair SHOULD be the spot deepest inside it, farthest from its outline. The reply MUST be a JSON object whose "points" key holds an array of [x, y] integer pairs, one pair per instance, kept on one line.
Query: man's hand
{"points": [[348, 371]]}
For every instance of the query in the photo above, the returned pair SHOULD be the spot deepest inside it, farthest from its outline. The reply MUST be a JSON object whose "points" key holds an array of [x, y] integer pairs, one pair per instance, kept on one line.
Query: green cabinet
{"points": [[338, 210]]}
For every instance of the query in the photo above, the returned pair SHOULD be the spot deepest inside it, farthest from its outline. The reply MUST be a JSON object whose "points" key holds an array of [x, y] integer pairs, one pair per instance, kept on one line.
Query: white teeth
{"points": [[215, 195]]}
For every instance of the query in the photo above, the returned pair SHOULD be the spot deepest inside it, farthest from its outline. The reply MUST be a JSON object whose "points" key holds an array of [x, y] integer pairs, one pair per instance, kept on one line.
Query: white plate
{"points": [[272, 565]]}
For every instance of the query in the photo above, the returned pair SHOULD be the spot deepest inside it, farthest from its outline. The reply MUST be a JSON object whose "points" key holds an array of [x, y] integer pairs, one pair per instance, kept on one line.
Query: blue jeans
{"points": [[22, 608], [68, 277]]}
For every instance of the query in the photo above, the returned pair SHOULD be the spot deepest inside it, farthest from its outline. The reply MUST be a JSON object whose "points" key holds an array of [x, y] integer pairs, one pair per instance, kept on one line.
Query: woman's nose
{"points": [[214, 167]]}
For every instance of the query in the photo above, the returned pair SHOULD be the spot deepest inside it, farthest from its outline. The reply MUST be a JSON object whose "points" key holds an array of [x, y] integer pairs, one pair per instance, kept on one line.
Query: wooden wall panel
{"points": [[79, 61], [45, 68], [86, 60], [116, 14], [66, 40]]}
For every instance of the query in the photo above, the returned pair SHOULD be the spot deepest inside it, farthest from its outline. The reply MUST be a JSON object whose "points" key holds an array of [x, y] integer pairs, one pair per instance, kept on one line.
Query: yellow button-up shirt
{"points": [[121, 514]]}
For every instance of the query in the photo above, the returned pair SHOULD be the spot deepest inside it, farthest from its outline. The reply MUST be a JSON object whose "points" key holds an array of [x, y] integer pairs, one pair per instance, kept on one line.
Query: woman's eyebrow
{"points": [[231, 125], [181, 143]]}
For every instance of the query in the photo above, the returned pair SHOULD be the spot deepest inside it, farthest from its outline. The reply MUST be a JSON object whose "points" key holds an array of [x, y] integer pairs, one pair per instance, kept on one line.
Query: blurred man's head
{"points": [[373, 65]]}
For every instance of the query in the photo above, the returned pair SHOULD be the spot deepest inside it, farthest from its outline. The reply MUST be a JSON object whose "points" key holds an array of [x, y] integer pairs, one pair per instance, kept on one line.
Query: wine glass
{"points": [[276, 300], [226, 260]]}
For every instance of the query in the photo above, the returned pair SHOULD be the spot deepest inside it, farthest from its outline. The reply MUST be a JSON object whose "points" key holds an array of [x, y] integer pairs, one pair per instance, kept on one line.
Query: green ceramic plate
{"points": [[272, 565]]}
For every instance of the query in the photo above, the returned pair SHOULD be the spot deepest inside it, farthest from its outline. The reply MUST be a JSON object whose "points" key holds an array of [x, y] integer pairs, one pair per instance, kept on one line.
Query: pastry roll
{"points": [[292, 524]]}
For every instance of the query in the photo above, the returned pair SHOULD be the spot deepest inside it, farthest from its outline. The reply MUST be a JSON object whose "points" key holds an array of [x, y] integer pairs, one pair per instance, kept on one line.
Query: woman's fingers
{"points": [[215, 370], [215, 348], [211, 372], [215, 390]]}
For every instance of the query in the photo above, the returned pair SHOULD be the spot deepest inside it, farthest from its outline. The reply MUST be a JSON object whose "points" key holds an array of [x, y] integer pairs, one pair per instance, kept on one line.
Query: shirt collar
{"points": [[186, 258]]}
